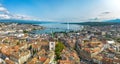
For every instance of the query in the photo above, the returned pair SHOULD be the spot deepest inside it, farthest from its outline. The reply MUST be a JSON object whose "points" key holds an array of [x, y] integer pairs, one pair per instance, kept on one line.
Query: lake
{"points": [[57, 27]]}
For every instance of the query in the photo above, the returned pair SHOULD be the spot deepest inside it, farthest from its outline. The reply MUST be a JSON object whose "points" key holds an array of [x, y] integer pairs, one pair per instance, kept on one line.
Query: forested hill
{"points": [[97, 23]]}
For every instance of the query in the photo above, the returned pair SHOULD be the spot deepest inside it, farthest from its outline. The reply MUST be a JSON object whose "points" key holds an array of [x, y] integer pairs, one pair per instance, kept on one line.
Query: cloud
{"points": [[104, 16], [5, 13], [70, 19], [100, 17], [3, 9], [105, 12], [96, 18]]}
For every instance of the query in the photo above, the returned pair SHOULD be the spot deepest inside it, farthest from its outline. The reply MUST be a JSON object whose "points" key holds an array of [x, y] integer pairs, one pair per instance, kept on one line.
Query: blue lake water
{"points": [[57, 27]]}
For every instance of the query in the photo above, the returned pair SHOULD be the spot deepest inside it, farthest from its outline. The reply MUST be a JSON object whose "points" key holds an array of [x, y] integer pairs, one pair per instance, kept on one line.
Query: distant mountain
{"points": [[103, 23], [97, 23], [113, 20]]}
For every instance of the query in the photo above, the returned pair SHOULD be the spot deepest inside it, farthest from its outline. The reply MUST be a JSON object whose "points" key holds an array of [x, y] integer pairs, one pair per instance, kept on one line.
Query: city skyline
{"points": [[65, 10]]}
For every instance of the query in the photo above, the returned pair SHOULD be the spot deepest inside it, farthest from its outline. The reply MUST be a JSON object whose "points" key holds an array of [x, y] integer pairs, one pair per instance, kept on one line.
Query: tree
{"points": [[58, 50], [118, 40], [18, 43], [34, 52], [34, 29], [25, 31], [30, 47]]}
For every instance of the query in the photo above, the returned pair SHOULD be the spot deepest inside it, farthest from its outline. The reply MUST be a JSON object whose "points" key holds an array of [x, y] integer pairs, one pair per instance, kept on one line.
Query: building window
{"points": [[51, 43]]}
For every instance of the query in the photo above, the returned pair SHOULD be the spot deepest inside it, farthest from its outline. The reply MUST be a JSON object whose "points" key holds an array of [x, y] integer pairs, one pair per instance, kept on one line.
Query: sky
{"points": [[65, 10]]}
